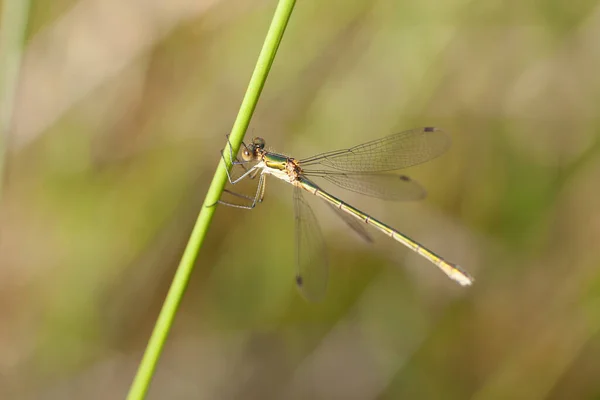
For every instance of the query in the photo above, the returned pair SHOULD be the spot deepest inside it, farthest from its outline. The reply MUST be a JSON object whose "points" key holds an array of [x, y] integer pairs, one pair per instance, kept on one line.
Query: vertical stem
{"points": [[165, 319]]}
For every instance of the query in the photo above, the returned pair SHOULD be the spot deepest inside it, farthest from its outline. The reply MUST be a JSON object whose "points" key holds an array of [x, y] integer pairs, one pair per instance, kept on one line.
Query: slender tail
{"points": [[453, 271]]}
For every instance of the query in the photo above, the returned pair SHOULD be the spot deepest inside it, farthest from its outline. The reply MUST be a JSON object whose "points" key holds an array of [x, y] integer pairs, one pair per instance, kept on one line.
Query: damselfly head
{"points": [[258, 142], [253, 150]]}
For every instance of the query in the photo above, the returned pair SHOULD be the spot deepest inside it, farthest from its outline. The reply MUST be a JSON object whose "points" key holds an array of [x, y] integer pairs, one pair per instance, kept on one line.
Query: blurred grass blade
{"points": [[141, 382], [12, 33]]}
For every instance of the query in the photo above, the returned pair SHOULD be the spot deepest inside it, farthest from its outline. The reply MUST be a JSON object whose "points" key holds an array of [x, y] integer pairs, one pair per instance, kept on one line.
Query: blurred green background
{"points": [[120, 113]]}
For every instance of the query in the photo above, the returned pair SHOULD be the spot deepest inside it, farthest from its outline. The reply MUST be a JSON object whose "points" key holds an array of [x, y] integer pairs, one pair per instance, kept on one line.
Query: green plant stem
{"points": [[12, 34], [141, 382]]}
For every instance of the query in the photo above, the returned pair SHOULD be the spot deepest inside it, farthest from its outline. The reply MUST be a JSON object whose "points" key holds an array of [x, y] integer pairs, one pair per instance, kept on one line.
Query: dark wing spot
{"points": [[299, 281], [429, 129], [404, 178]]}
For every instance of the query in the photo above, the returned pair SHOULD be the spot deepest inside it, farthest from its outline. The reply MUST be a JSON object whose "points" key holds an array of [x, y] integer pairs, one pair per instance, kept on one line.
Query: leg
{"points": [[258, 197], [262, 192], [234, 161], [243, 196], [231, 157], [231, 180], [254, 170]]}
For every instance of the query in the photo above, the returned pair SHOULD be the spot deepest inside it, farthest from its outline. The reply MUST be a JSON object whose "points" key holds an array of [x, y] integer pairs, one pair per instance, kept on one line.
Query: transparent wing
{"points": [[354, 224], [390, 153], [311, 258], [382, 186]]}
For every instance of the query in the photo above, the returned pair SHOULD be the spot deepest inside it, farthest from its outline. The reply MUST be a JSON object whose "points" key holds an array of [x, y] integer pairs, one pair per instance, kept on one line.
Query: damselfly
{"points": [[362, 169]]}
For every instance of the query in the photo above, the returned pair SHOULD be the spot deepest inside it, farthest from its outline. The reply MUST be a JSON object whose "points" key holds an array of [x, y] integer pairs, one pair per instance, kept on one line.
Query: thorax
{"points": [[280, 166]]}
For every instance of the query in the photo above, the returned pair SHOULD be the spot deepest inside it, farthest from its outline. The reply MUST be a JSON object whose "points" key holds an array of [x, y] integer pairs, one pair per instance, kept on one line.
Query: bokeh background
{"points": [[119, 114]]}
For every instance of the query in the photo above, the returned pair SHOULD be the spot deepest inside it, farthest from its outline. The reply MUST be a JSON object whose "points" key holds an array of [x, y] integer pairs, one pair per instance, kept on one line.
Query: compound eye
{"points": [[259, 142], [246, 155]]}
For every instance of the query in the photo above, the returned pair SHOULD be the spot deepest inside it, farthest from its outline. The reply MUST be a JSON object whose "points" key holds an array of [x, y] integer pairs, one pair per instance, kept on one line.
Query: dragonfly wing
{"points": [[382, 186], [355, 224], [311, 257], [397, 151]]}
